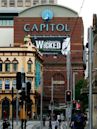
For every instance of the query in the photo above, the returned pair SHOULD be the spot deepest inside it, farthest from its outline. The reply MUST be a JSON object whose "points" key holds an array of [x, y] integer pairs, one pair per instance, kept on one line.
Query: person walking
{"points": [[77, 120]]}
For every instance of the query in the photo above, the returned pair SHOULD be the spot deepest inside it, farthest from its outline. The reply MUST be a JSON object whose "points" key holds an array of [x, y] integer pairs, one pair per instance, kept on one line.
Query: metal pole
{"points": [[90, 79], [68, 71], [17, 108], [41, 108], [12, 105], [52, 98], [68, 84], [74, 85]]}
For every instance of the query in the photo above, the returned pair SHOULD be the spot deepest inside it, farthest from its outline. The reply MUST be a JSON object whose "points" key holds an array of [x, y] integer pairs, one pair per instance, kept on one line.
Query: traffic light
{"points": [[68, 96], [20, 78], [18, 81], [22, 95]]}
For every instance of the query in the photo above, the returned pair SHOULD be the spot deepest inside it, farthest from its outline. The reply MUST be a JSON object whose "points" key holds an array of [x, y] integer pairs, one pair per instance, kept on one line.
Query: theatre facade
{"points": [[54, 30]]}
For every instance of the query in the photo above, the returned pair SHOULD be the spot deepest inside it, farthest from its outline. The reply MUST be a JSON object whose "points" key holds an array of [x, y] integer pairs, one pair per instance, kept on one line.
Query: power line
{"points": [[77, 17]]}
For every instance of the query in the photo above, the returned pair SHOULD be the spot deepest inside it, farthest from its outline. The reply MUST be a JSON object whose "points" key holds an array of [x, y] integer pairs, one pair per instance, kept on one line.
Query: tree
{"points": [[82, 97]]}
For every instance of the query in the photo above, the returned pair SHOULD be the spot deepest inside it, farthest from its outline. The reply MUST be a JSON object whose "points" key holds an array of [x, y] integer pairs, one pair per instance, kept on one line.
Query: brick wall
{"points": [[56, 66]]}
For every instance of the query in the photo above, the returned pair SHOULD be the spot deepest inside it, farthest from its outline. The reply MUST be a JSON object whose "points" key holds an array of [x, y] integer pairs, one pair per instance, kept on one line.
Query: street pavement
{"points": [[30, 125]]}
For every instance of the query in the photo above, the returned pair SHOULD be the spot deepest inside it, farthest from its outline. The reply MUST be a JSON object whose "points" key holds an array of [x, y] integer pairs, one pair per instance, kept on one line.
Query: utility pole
{"points": [[41, 108], [68, 80], [52, 97], [66, 51], [74, 76], [12, 104], [17, 109], [68, 70], [90, 79]]}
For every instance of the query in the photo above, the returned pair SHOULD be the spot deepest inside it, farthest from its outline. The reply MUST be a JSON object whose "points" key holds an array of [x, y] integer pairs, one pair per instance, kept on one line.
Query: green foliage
{"points": [[78, 96], [79, 85]]}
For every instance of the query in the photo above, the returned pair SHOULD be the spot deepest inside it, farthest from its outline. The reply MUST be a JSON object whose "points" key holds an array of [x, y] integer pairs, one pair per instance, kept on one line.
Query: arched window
{"points": [[15, 65], [29, 65], [7, 65], [1, 63]]}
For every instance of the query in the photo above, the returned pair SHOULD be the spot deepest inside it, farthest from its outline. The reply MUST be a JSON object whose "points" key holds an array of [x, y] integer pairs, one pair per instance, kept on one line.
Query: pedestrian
{"points": [[54, 124], [78, 120], [59, 118], [6, 124]]}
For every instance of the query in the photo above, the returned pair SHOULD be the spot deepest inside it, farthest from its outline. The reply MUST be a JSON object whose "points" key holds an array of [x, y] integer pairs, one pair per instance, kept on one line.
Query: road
{"points": [[30, 125]]}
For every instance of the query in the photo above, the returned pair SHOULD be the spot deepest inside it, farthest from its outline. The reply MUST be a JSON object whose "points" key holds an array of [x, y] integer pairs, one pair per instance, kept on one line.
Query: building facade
{"points": [[13, 60], [50, 26], [54, 30], [94, 70]]}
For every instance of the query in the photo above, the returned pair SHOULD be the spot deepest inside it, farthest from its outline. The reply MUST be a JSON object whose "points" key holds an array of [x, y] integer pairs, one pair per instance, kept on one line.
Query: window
{"points": [[7, 84], [29, 65], [14, 83], [4, 3], [15, 65], [7, 65], [6, 22], [27, 3], [0, 67], [0, 84], [12, 3], [20, 3]]}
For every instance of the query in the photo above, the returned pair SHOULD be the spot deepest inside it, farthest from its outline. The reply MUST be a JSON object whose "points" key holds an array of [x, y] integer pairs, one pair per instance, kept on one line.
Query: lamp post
{"points": [[74, 75], [41, 104], [90, 79], [17, 107], [52, 98], [12, 104]]}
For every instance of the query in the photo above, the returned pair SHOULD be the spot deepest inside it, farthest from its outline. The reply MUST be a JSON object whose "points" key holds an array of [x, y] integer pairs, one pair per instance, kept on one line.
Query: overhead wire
{"points": [[75, 22], [77, 17]]}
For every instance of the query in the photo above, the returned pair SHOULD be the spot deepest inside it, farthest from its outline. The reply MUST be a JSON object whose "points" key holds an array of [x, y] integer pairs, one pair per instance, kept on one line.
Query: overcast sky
{"points": [[85, 9]]}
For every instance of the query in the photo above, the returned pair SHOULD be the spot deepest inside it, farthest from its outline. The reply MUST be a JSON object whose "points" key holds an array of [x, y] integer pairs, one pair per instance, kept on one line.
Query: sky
{"points": [[85, 9]]}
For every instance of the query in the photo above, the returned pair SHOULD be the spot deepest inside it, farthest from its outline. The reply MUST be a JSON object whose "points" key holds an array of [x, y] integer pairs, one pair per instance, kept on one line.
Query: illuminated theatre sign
{"points": [[51, 44], [47, 15], [46, 27]]}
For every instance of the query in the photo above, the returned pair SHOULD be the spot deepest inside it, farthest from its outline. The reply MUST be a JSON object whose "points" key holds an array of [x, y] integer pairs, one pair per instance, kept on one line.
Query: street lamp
{"points": [[74, 75], [90, 79], [12, 104], [52, 97]]}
